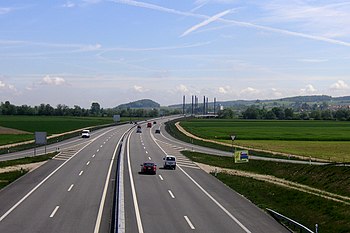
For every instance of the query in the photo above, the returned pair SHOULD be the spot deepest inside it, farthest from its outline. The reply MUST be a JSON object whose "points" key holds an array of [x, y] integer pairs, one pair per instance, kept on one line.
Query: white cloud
{"points": [[249, 90], [53, 81], [312, 16], [309, 89], [4, 87], [138, 88], [222, 90], [68, 4], [339, 85], [182, 88]]}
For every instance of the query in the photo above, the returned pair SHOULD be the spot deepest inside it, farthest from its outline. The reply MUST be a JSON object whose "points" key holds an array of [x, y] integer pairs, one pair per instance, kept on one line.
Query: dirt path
{"points": [[4, 130], [30, 167], [278, 181]]}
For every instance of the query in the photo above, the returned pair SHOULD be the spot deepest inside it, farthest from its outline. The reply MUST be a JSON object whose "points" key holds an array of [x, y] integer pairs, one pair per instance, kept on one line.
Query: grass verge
{"points": [[8, 177], [305, 208], [334, 179], [26, 160]]}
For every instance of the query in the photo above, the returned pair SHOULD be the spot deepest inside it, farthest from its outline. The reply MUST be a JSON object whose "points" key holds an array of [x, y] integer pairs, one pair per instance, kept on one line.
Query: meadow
{"points": [[328, 140]]}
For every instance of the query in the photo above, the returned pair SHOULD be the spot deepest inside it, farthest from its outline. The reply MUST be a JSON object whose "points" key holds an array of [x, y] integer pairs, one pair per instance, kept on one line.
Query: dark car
{"points": [[157, 131], [149, 168], [138, 130], [154, 122], [139, 126]]}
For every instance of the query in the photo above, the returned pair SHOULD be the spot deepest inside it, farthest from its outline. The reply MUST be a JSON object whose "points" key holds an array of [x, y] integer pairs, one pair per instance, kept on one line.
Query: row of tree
{"points": [[95, 110], [280, 113]]}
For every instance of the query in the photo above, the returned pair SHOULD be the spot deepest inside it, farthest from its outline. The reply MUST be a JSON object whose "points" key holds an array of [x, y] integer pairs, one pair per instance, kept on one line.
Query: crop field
{"points": [[316, 139], [51, 125]]}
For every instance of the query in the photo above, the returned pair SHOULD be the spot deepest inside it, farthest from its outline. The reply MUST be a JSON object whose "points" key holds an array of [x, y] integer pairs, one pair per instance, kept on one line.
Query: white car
{"points": [[169, 162], [85, 133]]}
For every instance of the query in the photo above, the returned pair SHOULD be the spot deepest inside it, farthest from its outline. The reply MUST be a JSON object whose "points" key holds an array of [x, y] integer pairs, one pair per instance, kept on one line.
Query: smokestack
{"points": [[214, 105], [203, 105], [192, 106], [183, 105], [207, 106]]}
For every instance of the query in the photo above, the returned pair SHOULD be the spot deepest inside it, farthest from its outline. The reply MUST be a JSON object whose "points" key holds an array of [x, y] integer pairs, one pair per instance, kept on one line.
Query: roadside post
{"points": [[232, 148]]}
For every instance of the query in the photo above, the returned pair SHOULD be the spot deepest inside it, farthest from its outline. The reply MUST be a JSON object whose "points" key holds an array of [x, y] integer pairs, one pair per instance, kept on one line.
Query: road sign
{"points": [[241, 156]]}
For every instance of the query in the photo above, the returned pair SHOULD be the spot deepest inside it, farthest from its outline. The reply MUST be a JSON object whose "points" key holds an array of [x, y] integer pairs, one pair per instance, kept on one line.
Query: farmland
{"points": [[317, 139], [51, 125]]}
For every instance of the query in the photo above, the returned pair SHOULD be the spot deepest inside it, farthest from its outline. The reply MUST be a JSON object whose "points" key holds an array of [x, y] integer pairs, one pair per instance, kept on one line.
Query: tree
{"points": [[95, 109], [288, 114]]}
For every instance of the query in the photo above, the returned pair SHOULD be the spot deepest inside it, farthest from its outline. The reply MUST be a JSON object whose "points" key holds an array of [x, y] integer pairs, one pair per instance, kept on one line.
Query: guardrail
{"points": [[292, 225]]}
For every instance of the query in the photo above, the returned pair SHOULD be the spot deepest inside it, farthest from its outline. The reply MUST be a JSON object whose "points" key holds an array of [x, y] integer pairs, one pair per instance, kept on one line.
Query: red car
{"points": [[149, 168]]}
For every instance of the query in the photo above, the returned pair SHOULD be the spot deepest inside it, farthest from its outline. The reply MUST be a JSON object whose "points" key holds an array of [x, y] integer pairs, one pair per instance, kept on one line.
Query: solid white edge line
{"points": [[171, 194], [54, 212], [160, 177], [206, 193], [189, 222], [216, 202], [70, 187], [103, 199], [133, 191], [44, 180]]}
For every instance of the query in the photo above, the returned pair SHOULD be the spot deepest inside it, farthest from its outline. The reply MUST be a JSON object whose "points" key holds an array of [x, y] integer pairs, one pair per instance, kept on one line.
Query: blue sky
{"points": [[116, 51]]}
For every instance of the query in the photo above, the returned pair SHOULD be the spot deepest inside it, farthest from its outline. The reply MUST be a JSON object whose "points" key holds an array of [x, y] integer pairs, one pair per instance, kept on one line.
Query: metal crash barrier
{"points": [[292, 225]]}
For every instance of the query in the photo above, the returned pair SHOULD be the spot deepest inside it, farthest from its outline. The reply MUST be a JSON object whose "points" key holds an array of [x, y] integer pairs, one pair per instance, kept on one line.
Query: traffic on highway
{"points": [[126, 178]]}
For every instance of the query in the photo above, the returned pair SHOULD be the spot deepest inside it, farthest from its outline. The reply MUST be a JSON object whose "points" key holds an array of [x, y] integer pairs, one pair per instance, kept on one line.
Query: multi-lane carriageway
{"points": [[74, 192]]}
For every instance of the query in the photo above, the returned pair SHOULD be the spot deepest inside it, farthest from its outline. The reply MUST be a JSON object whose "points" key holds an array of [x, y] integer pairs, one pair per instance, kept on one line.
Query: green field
{"points": [[318, 139], [49, 124]]}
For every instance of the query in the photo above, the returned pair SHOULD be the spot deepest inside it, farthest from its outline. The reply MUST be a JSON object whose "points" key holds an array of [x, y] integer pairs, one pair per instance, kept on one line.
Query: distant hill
{"points": [[144, 103]]}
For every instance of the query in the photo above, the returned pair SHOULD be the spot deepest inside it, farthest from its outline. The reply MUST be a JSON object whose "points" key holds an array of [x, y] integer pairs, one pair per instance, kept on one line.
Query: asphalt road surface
{"points": [[73, 192], [183, 200]]}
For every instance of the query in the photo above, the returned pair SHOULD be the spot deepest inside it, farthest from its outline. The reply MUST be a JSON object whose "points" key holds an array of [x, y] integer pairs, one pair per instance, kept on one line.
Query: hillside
{"points": [[144, 103]]}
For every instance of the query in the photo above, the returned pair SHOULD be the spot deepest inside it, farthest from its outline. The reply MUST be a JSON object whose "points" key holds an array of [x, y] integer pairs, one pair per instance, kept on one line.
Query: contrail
{"points": [[205, 22], [239, 23]]}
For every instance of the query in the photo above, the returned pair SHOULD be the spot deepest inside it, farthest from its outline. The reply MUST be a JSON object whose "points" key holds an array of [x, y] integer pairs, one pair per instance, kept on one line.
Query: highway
{"points": [[182, 200], [65, 195], [73, 192]]}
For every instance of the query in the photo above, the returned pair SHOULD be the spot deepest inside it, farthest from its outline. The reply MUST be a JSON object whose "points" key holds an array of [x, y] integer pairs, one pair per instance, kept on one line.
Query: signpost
{"points": [[241, 156], [116, 118], [40, 139]]}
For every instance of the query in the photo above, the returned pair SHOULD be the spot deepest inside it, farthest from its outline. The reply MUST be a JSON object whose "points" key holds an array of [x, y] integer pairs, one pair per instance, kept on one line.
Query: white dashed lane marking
{"points": [[54, 212], [70, 187]]}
